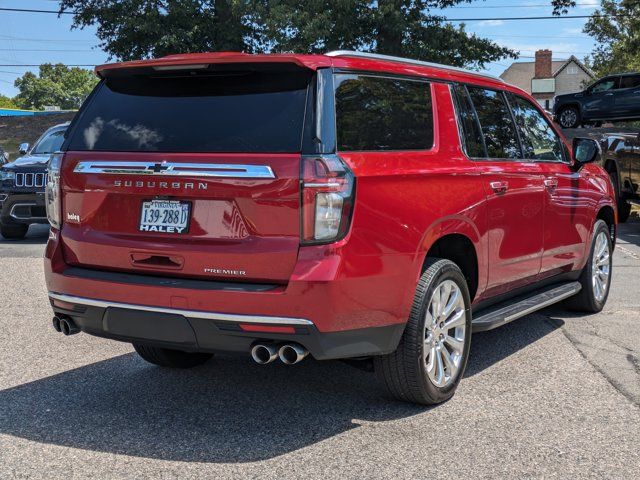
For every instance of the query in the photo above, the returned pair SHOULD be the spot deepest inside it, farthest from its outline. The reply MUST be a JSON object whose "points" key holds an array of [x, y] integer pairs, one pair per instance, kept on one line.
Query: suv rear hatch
{"points": [[191, 171]]}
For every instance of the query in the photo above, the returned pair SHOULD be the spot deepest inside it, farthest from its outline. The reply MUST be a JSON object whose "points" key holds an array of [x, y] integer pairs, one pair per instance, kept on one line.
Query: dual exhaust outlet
{"points": [[288, 353], [65, 326]]}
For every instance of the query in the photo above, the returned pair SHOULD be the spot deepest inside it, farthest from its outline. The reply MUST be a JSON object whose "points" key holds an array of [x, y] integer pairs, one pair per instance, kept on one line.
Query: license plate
{"points": [[165, 216]]}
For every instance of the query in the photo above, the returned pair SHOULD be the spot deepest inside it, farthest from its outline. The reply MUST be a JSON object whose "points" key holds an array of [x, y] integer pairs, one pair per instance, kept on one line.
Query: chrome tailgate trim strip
{"points": [[175, 169]]}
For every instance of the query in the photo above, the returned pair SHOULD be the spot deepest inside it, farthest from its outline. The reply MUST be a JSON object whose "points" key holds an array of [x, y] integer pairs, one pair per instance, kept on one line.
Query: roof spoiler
{"points": [[203, 61]]}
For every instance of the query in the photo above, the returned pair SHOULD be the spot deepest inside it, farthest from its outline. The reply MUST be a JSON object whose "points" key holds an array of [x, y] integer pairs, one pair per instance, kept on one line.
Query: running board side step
{"points": [[505, 312]]}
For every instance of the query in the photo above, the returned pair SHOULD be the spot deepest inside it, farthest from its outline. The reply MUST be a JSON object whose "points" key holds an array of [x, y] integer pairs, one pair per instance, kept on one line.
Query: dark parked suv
{"points": [[340, 206], [616, 97], [22, 184]]}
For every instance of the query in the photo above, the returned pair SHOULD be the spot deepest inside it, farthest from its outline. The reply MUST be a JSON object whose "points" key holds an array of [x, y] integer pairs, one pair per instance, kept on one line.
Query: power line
{"points": [[53, 63], [475, 19], [41, 50]]}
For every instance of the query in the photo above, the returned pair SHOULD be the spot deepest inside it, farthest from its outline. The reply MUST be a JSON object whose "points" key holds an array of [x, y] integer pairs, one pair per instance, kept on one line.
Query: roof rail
{"points": [[408, 61]]}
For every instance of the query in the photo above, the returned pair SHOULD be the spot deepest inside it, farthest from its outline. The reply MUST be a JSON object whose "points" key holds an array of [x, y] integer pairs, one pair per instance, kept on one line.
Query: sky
{"points": [[35, 38]]}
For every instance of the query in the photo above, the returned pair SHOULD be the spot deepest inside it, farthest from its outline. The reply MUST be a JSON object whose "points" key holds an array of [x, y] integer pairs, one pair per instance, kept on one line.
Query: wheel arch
{"points": [[458, 240]]}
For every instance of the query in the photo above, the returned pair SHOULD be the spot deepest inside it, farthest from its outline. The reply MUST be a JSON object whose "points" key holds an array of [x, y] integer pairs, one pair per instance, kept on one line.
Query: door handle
{"points": [[551, 183], [499, 187]]}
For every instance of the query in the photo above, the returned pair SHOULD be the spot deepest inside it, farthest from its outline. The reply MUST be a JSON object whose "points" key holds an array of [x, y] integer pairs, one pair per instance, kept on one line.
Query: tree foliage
{"points": [[57, 85], [6, 102], [615, 26], [133, 29]]}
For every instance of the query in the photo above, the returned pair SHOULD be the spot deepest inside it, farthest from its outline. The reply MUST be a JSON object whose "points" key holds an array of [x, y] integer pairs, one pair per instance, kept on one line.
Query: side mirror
{"points": [[23, 148], [585, 150]]}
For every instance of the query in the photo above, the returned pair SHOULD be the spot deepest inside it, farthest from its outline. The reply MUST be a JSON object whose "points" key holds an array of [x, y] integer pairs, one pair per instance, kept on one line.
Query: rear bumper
{"points": [[191, 330], [25, 208], [327, 308]]}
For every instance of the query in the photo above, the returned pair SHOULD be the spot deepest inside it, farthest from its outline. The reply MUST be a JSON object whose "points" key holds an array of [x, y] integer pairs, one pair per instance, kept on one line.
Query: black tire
{"points": [[624, 208], [569, 117], [14, 232], [404, 372], [166, 357], [586, 300]]}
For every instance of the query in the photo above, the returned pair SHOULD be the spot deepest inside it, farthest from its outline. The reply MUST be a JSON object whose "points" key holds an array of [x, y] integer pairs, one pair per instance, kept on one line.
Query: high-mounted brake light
{"points": [[328, 188], [52, 192]]}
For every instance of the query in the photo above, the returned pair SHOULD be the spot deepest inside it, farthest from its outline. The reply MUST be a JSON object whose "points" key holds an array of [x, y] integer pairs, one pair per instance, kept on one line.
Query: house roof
{"points": [[521, 73]]}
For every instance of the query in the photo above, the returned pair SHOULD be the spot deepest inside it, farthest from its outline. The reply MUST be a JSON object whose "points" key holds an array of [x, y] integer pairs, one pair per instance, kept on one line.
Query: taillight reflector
{"points": [[250, 327]]}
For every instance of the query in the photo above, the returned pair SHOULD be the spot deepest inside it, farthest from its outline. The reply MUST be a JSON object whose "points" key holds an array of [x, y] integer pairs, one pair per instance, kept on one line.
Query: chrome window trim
{"points": [[226, 317], [175, 169]]}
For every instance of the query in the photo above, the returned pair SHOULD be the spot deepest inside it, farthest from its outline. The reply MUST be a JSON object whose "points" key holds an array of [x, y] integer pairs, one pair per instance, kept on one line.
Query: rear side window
{"points": [[539, 141], [630, 81], [497, 126], [374, 113], [472, 136], [218, 111]]}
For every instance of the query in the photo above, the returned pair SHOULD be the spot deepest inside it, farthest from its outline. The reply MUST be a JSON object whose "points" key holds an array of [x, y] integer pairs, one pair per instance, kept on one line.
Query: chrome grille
{"points": [[31, 180]]}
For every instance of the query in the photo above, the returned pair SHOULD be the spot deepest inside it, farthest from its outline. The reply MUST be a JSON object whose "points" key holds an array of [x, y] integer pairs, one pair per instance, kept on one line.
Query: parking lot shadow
{"points": [[630, 231], [229, 410]]}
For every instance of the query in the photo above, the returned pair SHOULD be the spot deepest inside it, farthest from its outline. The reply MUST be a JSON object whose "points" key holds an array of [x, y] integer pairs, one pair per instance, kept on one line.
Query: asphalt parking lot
{"points": [[552, 395]]}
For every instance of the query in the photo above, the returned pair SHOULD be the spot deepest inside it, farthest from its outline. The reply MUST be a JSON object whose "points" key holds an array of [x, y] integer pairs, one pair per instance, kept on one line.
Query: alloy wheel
{"points": [[600, 267], [444, 334], [568, 118]]}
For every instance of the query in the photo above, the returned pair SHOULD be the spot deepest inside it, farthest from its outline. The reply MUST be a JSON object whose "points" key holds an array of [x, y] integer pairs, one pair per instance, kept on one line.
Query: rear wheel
{"points": [[14, 232], [166, 357], [569, 117], [433, 351], [596, 275]]}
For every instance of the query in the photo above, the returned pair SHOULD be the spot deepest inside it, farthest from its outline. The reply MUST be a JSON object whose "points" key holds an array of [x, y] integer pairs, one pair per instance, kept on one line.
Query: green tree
{"points": [[6, 102], [133, 29], [57, 85], [615, 26]]}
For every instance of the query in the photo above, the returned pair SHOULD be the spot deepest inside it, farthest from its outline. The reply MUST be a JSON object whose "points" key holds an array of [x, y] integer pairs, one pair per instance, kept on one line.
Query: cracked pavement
{"points": [[551, 395]]}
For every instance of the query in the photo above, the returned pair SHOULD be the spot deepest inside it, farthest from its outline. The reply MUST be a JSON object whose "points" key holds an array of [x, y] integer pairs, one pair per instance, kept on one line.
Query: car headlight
{"points": [[7, 175]]}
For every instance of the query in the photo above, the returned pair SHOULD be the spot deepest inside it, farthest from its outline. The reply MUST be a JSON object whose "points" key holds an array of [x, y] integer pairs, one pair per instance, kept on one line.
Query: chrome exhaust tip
{"points": [[56, 324], [263, 353], [68, 327], [292, 353]]}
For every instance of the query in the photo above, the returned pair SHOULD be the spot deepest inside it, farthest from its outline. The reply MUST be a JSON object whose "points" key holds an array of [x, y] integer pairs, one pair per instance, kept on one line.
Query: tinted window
{"points": [[539, 141], [472, 136], [383, 114], [500, 135], [50, 143], [630, 82], [241, 111], [604, 85]]}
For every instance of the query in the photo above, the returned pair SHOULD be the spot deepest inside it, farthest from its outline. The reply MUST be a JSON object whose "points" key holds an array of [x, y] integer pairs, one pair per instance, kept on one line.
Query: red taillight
{"points": [[328, 188]]}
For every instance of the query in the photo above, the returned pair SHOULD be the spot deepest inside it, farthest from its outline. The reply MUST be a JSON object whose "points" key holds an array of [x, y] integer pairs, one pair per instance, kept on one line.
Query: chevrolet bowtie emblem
{"points": [[160, 167]]}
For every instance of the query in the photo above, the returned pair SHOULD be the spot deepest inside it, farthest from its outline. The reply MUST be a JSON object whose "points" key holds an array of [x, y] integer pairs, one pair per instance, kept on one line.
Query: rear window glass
{"points": [[374, 113], [229, 111]]}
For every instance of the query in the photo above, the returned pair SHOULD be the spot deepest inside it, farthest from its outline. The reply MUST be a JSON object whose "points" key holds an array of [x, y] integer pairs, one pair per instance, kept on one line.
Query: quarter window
{"points": [[539, 141], [375, 113], [499, 132], [472, 136]]}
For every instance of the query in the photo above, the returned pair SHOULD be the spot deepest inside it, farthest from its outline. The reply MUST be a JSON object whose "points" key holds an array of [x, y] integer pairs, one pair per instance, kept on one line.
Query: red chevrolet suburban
{"points": [[343, 206]]}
